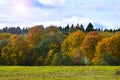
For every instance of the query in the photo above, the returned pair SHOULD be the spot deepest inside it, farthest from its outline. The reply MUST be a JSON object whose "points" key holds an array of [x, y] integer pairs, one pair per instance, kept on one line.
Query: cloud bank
{"points": [[26, 13]]}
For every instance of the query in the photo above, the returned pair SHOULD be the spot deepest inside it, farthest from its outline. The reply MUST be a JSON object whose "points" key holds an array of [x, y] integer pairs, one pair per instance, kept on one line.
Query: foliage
{"points": [[70, 46], [74, 40], [57, 46], [54, 58], [110, 46], [106, 34], [14, 52], [34, 35], [88, 45], [4, 36], [41, 50]]}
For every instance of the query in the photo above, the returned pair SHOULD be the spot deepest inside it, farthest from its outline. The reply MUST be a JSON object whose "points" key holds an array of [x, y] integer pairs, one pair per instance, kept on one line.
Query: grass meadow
{"points": [[59, 73]]}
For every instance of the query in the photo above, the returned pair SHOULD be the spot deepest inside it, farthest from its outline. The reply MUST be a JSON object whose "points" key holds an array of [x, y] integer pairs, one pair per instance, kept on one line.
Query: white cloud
{"points": [[74, 20], [1, 2], [28, 13], [54, 3], [63, 22], [47, 23], [109, 25], [16, 7], [100, 5]]}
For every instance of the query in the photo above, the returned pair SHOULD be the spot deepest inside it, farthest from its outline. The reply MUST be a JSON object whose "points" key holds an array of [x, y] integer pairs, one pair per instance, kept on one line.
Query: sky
{"points": [[27, 13]]}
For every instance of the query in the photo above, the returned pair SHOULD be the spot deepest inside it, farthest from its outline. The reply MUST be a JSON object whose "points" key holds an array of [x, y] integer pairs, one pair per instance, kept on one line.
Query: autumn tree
{"points": [[88, 45], [15, 51], [54, 36], [70, 46], [52, 30], [51, 42], [54, 55], [34, 35], [109, 50]]}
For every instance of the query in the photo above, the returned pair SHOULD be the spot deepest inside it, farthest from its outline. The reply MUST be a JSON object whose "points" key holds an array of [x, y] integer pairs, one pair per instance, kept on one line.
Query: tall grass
{"points": [[59, 73]]}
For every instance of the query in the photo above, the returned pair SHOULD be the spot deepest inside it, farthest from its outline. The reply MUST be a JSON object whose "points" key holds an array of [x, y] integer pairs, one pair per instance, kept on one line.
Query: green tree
{"points": [[55, 48], [41, 50], [51, 42], [3, 43]]}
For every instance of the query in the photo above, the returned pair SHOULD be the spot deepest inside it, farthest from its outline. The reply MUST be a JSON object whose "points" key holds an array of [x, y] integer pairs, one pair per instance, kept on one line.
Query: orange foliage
{"points": [[34, 34], [110, 45], [89, 44]]}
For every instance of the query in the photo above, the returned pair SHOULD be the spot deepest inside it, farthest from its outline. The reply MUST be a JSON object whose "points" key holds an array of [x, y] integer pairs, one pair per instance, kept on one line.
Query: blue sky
{"points": [[59, 12]]}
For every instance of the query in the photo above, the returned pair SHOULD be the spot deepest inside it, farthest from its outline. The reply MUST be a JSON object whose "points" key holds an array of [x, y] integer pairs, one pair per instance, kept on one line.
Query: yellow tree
{"points": [[88, 46], [34, 35], [70, 46], [15, 50], [76, 55]]}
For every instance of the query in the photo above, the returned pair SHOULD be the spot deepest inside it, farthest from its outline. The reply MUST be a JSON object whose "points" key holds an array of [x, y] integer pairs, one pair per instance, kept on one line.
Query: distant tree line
{"points": [[14, 30], [67, 29], [89, 28]]}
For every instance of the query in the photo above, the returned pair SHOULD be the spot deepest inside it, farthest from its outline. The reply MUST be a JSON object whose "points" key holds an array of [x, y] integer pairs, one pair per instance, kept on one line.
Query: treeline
{"points": [[66, 29], [15, 30], [57, 46], [89, 28]]}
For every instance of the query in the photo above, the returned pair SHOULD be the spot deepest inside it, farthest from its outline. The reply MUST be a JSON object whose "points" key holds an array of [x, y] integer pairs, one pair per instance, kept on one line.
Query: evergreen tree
{"points": [[89, 27]]}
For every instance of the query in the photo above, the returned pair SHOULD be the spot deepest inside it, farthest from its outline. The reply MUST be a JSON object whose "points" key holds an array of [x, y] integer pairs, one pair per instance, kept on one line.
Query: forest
{"points": [[59, 46]]}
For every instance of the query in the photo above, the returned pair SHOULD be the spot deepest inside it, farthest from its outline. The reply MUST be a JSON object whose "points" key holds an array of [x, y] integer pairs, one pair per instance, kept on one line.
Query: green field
{"points": [[59, 73]]}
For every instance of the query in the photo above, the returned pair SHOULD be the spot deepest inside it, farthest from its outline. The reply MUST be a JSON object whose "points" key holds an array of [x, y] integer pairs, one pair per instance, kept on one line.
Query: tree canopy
{"points": [[59, 46]]}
